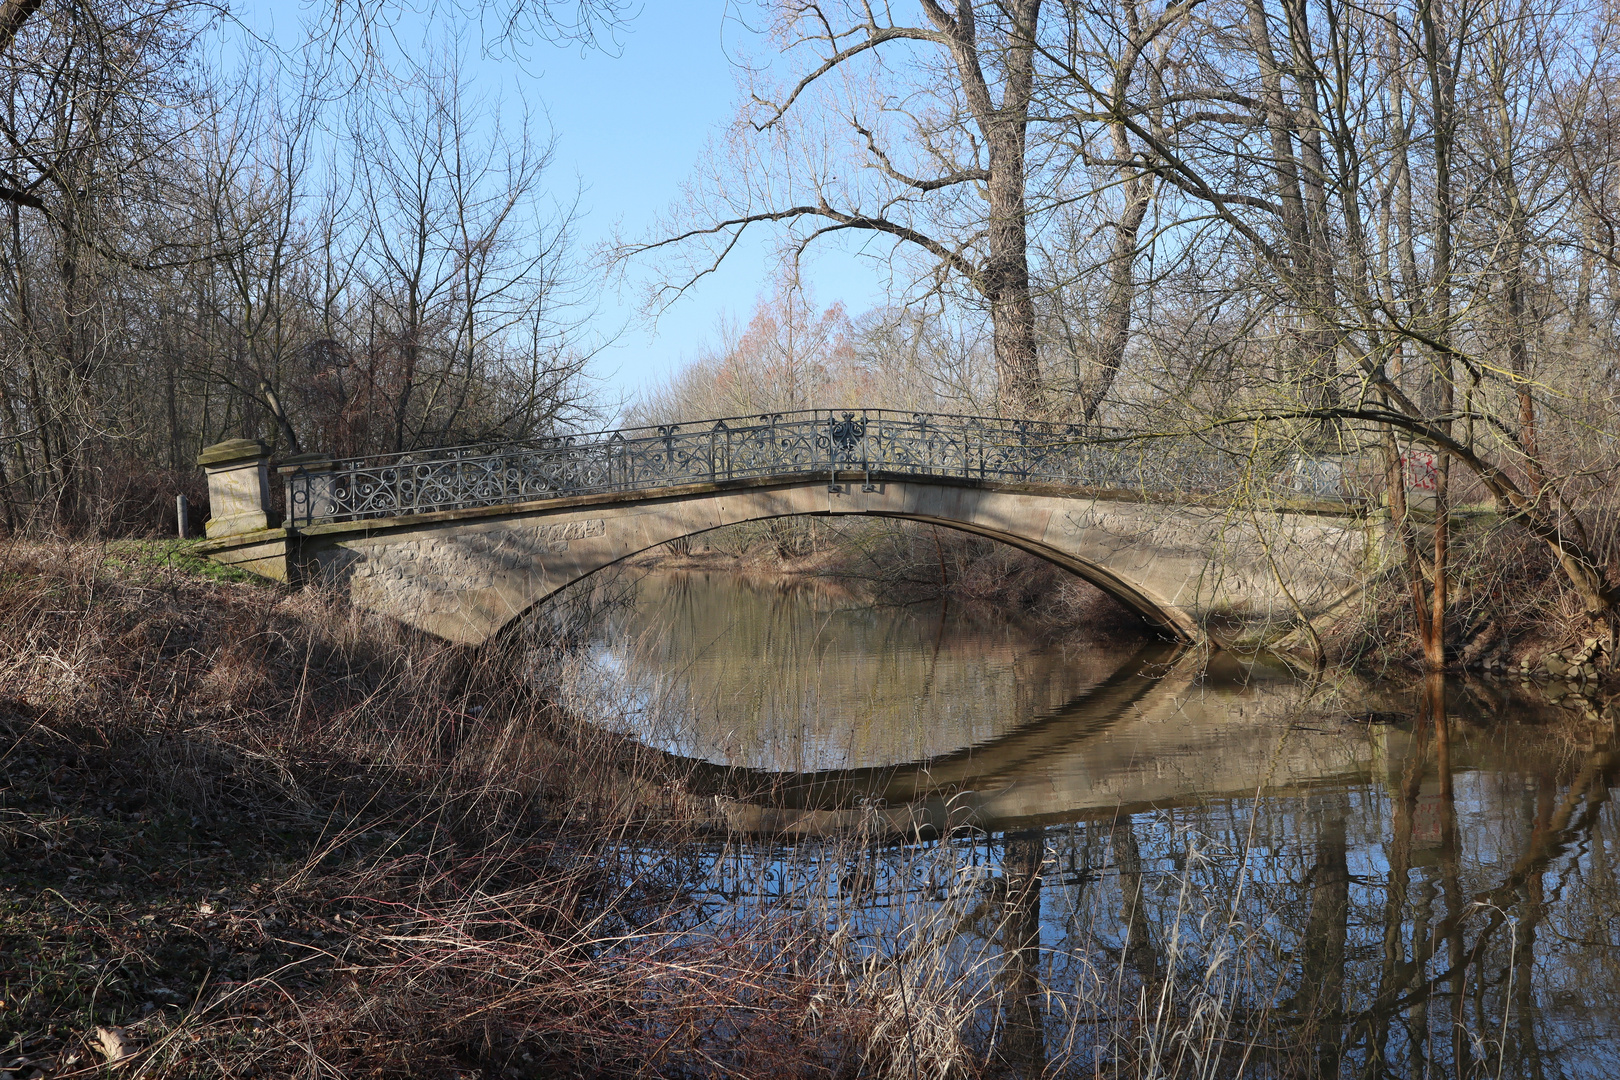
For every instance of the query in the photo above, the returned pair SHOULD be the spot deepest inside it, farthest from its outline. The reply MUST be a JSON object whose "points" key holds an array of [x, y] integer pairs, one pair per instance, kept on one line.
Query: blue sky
{"points": [[631, 121], [631, 126]]}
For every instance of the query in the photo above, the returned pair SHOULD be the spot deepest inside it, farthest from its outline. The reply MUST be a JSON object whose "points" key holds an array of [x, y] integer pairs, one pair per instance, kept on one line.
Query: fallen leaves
{"points": [[114, 1044]]}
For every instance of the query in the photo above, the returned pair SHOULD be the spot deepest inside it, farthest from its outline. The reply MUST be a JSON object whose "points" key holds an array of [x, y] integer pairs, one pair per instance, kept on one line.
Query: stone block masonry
{"points": [[431, 576]]}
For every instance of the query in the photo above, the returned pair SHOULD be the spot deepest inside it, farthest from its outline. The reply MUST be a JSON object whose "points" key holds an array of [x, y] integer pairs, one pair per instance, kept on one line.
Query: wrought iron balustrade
{"points": [[782, 444]]}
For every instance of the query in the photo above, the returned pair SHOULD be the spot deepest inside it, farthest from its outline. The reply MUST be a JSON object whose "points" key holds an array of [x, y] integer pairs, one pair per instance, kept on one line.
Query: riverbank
{"points": [[256, 833]]}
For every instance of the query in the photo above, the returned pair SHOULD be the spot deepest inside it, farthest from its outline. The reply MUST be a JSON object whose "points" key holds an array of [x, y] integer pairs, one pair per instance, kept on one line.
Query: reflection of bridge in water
{"points": [[1233, 543], [809, 711], [1162, 731], [1441, 902]]}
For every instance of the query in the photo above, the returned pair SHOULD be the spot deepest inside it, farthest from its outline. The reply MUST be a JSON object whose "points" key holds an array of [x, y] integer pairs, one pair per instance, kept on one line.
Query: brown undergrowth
{"points": [[1510, 603], [262, 834]]}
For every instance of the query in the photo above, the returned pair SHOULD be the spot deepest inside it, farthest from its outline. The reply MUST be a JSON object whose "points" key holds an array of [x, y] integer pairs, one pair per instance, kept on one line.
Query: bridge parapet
{"points": [[1207, 539], [807, 442]]}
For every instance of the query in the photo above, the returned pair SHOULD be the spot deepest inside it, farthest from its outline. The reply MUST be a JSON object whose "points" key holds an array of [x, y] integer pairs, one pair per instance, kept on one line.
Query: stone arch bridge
{"points": [[1231, 546]]}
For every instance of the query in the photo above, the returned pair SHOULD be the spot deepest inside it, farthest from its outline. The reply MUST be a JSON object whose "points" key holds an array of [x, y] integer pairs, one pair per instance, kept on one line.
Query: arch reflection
{"points": [[1212, 873]]}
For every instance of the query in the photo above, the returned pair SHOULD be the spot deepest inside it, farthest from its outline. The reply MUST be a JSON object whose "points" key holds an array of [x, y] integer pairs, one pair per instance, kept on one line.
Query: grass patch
{"points": [[134, 557]]}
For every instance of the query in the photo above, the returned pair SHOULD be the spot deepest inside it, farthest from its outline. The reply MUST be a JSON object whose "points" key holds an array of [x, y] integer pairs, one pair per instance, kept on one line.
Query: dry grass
{"points": [[264, 834]]}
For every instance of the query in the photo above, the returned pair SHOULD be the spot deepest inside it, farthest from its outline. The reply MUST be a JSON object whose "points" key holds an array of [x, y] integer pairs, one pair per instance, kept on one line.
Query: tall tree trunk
{"points": [[1443, 102], [1517, 283], [1119, 299], [1400, 519], [1284, 165], [1319, 299], [1005, 275]]}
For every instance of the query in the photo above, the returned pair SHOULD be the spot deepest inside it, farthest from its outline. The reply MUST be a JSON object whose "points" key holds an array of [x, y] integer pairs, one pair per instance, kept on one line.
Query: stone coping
{"points": [[313, 462], [232, 451], [243, 539]]}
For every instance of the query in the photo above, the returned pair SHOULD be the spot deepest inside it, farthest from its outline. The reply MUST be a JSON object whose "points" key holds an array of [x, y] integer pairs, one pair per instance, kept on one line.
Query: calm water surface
{"points": [[1128, 856]]}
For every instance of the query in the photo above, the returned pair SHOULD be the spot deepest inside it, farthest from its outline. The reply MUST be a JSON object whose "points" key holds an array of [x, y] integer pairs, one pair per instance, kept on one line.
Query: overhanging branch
{"points": [[13, 13]]}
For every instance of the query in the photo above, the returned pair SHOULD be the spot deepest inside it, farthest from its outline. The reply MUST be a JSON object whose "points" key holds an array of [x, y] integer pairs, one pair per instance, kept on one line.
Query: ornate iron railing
{"points": [[871, 441]]}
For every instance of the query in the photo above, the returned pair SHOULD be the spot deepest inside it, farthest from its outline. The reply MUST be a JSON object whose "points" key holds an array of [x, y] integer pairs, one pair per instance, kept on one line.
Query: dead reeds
{"points": [[286, 838]]}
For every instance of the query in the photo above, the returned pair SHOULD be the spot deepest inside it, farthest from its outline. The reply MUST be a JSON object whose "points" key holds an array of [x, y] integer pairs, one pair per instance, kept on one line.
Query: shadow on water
{"points": [[1168, 870]]}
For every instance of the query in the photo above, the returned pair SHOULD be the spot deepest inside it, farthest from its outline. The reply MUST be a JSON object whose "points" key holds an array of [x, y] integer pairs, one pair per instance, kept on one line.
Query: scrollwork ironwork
{"points": [[873, 441]]}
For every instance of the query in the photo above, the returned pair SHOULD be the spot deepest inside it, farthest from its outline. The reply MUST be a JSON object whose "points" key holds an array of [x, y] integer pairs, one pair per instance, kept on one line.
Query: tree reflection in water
{"points": [[1442, 923], [1445, 925], [1172, 874]]}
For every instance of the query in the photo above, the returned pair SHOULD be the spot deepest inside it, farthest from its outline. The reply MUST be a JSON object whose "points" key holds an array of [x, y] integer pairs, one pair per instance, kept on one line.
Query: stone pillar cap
{"points": [[311, 462], [231, 451]]}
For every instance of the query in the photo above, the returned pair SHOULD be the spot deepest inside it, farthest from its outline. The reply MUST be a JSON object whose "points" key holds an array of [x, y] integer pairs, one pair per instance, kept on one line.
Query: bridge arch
{"points": [[1168, 620], [1197, 573]]}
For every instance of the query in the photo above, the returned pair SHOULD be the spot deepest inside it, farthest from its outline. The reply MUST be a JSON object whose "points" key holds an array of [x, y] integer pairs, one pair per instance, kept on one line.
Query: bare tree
{"points": [[916, 132], [1339, 147], [184, 268], [464, 267], [92, 135]]}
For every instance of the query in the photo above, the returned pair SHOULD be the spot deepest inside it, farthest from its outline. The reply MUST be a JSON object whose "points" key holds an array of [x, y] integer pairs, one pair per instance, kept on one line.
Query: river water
{"points": [[1123, 859]]}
